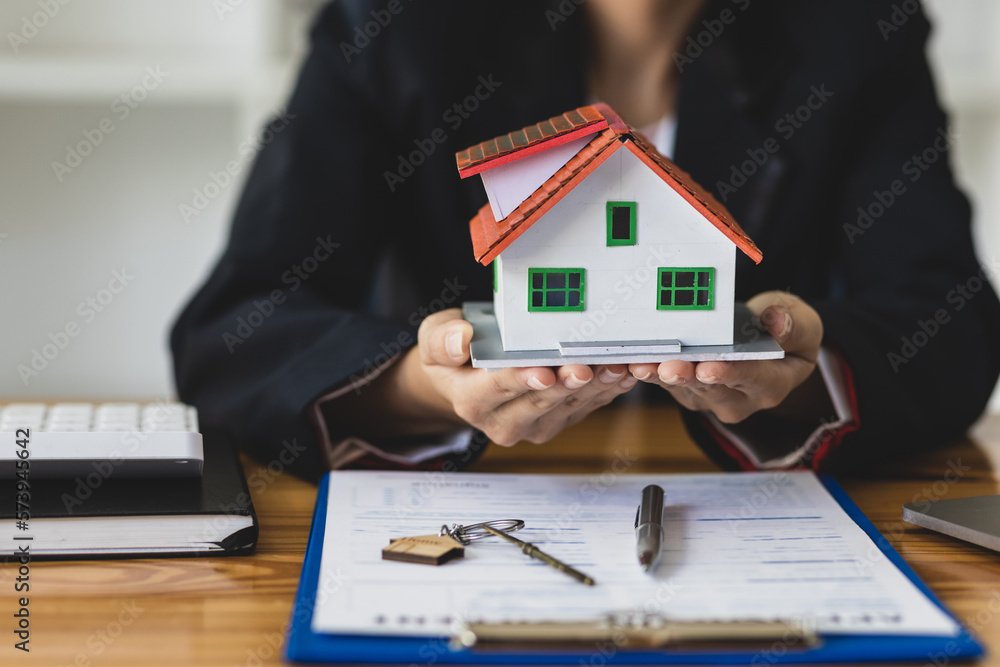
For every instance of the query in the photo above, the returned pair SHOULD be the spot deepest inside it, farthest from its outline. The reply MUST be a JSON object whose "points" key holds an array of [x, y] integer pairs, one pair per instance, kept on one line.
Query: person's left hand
{"points": [[733, 390]]}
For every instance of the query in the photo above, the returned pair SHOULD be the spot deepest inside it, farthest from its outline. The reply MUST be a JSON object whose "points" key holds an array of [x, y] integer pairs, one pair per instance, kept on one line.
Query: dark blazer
{"points": [[817, 126]]}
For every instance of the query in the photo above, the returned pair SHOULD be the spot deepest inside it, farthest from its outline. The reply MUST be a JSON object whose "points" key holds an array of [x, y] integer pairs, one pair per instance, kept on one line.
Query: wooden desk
{"points": [[233, 611]]}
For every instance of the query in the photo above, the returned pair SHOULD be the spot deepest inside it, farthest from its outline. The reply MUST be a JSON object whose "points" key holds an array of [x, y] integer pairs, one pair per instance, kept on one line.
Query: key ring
{"points": [[476, 531]]}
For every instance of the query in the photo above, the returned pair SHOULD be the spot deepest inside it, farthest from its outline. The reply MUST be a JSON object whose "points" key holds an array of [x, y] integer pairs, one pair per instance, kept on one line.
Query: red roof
{"points": [[530, 140], [490, 237]]}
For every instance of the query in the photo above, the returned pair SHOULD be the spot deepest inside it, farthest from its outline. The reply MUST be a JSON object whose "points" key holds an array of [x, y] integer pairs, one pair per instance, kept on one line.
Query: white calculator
{"points": [[157, 439]]}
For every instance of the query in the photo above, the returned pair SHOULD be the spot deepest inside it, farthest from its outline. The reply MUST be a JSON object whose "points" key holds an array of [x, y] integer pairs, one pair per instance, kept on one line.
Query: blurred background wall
{"points": [[164, 92]]}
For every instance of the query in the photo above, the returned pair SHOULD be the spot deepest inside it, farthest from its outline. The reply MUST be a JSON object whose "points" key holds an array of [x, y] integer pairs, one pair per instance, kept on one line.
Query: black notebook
{"points": [[94, 516]]}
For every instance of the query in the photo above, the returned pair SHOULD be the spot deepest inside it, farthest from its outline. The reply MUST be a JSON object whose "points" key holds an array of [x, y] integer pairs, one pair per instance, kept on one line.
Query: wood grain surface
{"points": [[234, 611]]}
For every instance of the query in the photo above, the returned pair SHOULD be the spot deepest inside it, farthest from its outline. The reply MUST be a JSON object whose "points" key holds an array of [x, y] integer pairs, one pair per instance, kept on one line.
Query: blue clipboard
{"points": [[304, 645]]}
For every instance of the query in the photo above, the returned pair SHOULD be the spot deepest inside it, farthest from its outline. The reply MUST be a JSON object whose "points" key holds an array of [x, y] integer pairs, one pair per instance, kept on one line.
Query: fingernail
{"points": [[708, 379], [628, 382], [647, 377], [573, 382], [453, 344], [786, 327], [537, 384], [673, 379], [607, 377]]}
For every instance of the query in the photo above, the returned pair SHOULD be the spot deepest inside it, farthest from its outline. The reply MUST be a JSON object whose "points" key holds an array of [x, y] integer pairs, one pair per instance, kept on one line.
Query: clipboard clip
{"points": [[638, 630]]}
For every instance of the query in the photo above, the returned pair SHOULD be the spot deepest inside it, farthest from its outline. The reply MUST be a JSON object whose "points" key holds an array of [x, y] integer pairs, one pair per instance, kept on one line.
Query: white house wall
{"points": [[620, 294], [498, 301]]}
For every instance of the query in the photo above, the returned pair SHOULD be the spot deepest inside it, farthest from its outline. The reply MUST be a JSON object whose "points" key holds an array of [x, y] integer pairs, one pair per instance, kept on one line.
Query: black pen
{"points": [[649, 527]]}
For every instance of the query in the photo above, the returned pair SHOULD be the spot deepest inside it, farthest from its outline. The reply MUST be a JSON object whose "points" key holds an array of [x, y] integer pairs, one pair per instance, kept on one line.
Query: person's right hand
{"points": [[435, 381]]}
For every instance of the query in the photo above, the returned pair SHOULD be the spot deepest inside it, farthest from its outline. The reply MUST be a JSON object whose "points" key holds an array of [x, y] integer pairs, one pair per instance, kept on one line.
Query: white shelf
{"points": [[101, 80]]}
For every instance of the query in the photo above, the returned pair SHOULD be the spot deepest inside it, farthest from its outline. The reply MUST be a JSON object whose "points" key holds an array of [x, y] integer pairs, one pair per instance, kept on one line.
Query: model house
{"points": [[598, 242]]}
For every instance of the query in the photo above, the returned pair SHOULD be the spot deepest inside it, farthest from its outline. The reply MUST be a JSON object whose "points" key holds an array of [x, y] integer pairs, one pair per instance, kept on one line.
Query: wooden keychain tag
{"points": [[427, 549]]}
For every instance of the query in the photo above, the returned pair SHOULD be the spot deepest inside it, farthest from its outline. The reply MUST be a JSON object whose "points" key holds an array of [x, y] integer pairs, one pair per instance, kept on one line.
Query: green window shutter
{"points": [[555, 290], [685, 288], [494, 263], [621, 223]]}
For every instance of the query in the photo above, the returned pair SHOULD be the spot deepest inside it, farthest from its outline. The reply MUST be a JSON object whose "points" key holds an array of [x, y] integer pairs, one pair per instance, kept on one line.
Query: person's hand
{"points": [[434, 381], [733, 390]]}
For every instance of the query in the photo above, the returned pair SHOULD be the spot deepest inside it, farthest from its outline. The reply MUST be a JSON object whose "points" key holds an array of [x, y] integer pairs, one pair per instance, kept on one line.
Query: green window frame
{"points": [[556, 290], [621, 229], [685, 288]]}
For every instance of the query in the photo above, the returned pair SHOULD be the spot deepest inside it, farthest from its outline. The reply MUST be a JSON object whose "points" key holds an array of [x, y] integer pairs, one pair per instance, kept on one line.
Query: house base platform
{"points": [[749, 343]]}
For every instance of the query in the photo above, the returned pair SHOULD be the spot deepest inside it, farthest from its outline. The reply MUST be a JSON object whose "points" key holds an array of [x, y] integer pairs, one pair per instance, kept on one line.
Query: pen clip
{"points": [[637, 509]]}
